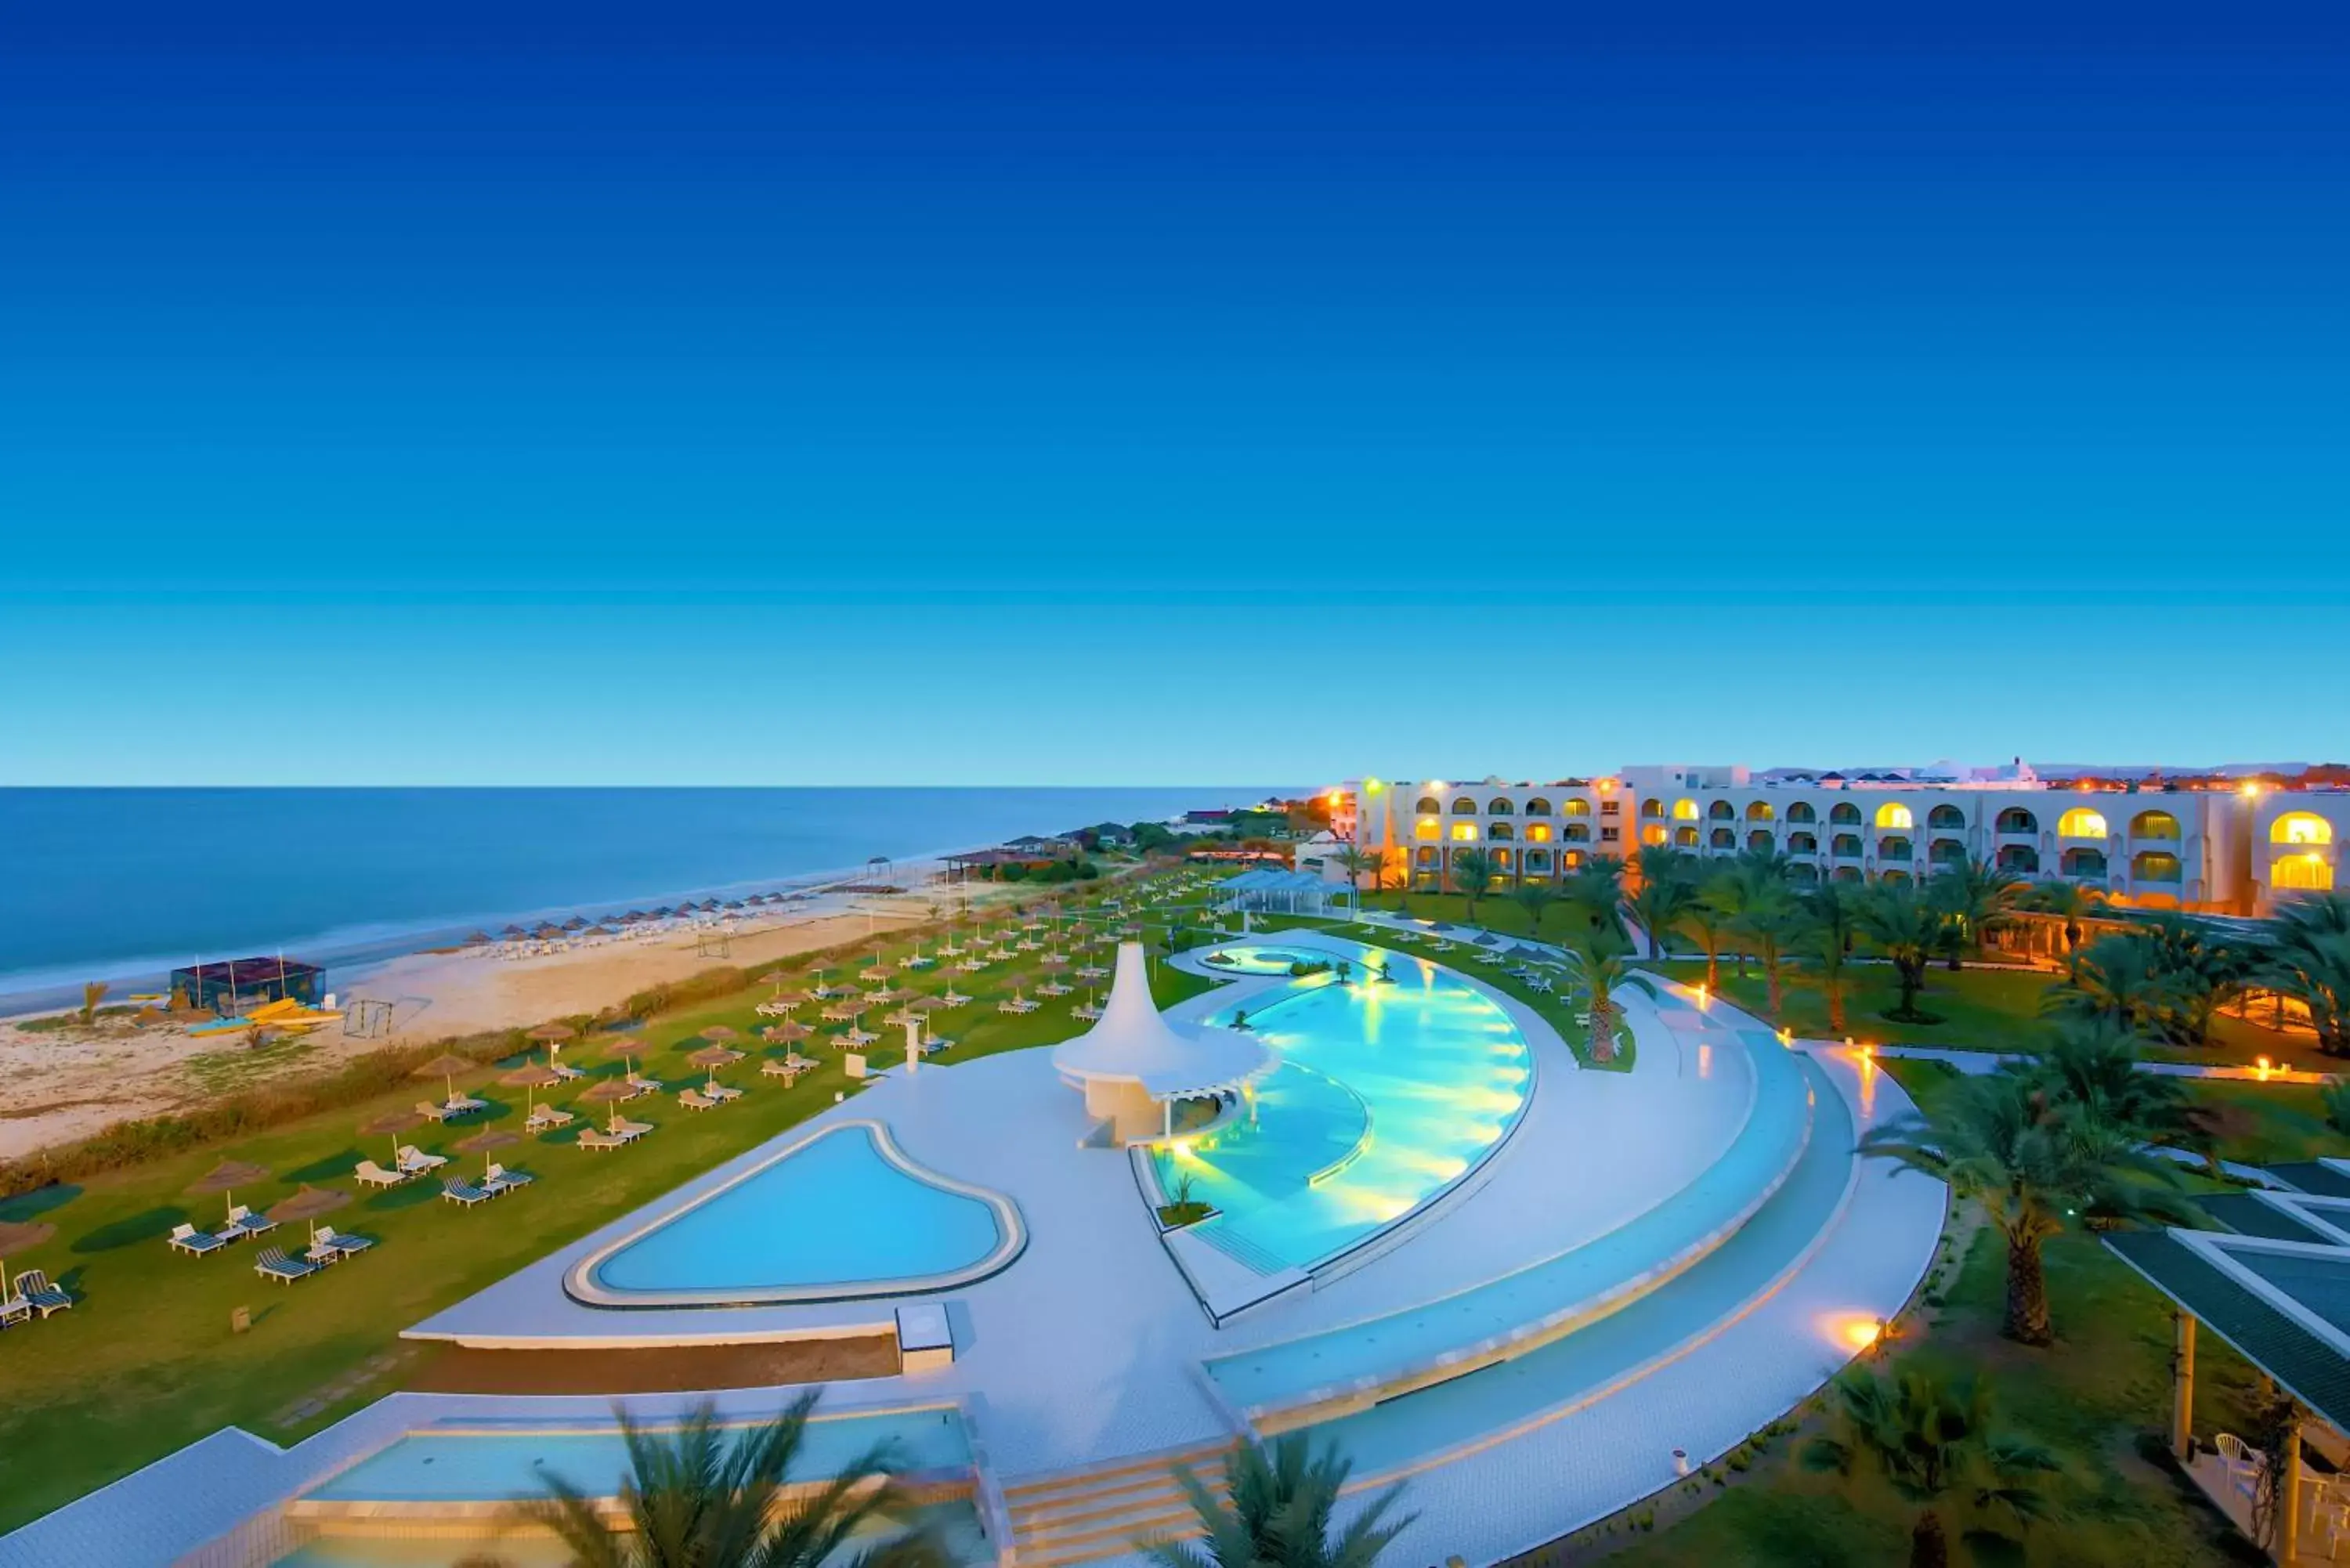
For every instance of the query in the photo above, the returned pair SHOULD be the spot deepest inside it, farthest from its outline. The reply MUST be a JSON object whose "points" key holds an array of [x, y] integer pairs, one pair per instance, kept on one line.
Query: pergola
{"points": [[2275, 1286], [1278, 892]]}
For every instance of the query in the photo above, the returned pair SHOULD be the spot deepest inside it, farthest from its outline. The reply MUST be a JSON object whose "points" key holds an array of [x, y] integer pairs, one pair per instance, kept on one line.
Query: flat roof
{"points": [[2311, 1370], [247, 969]]}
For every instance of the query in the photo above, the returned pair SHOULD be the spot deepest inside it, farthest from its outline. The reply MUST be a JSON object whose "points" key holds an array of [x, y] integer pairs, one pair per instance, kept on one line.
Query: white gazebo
{"points": [[1133, 1065]]}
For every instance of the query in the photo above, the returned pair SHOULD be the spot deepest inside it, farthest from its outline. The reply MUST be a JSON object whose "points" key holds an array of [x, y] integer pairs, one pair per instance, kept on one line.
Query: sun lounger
{"points": [[435, 1112], [565, 1071], [243, 1222], [693, 1100], [414, 1161], [463, 1106], [14, 1310], [341, 1243], [788, 1072], [274, 1264], [544, 1116], [196, 1243], [501, 1179], [371, 1174], [596, 1138], [629, 1129], [33, 1286], [720, 1092], [644, 1085], [457, 1190]]}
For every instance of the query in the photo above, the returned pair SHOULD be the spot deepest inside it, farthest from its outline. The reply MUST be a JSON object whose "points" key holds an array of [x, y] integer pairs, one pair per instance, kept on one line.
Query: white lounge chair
{"points": [[463, 1106], [565, 1071], [243, 1222], [429, 1109], [33, 1286], [596, 1138], [196, 1243], [500, 1179], [342, 1244], [544, 1116], [694, 1100], [274, 1264], [14, 1310], [371, 1174], [415, 1161], [458, 1190], [788, 1071]]}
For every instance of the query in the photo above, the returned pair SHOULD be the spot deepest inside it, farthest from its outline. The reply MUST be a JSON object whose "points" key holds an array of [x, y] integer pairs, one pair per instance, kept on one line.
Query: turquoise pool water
{"points": [[835, 1217], [1767, 1147], [486, 1461], [1266, 960], [1387, 1094]]}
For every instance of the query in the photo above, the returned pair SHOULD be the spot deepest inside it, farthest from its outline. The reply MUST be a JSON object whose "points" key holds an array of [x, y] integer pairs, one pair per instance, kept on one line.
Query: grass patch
{"points": [[153, 1329], [1975, 1009], [228, 1072]]}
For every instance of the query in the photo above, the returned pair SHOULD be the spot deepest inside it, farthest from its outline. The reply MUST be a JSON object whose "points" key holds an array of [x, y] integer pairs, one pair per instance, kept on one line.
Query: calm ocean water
{"points": [[124, 884]]}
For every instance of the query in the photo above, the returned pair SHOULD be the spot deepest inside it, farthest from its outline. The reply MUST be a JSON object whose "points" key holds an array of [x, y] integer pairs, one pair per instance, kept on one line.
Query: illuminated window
{"points": [[2155, 866], [1759, 811], [1502, 860], [1464, 832], [1428, 827], [2302, 873], [2081, 823], [1570, 861], [1685, 837], [1649, 807], [2300, 827], [1464, 807], [1684, 811], [2153, 824], [1583, 808], [1537, 833], [1893, 814], [1653, 833]]}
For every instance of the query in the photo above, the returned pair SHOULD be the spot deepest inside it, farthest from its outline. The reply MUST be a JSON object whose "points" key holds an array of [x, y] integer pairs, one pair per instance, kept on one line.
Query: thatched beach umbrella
{"points": [[953, 997], [552, 1035], [1052, 960], [710, 1056], [887, 995], [604, 1091], [785, 1032], [534, 1077], [227, 1175], [16, 1238], [487, 1139], [445, 1067], [391, 1122], [717, 1032], [307, 1203], [928, 1003]]}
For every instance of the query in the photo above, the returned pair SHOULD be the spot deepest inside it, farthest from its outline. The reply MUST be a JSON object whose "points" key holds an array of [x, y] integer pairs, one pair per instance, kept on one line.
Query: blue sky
{"points": [[699, 393]]}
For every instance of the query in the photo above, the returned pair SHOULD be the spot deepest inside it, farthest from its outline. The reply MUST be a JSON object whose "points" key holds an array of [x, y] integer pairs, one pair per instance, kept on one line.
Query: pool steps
{"points": [[1087, 1515]]}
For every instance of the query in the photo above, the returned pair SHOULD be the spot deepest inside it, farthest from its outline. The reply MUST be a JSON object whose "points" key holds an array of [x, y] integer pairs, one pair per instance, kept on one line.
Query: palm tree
{"points": [[2030, 1163], [2094, 1066], [1598, 886], [1533, 898], [1759, 905], [2304, 952], [1907, 929], [1978, 898], [1661, 901], [1354, 860], [1473, 873], [1708, 920], [1601, 958], [1826, 937], [1278, 1514], [2070, 902], [1938, 1445], [697, 1499]]}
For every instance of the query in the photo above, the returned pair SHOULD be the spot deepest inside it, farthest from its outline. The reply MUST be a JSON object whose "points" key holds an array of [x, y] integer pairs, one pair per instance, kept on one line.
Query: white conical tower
{"points": [[1132, 1062]]}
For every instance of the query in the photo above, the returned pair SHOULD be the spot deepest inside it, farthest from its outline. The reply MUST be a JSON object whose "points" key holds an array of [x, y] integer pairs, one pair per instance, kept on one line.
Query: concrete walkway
{"points": [[1977, 1062]]}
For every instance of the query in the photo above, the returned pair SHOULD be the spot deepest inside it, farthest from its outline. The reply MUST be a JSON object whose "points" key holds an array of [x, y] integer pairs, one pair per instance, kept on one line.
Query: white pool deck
{"points": [[1089, 1347]]}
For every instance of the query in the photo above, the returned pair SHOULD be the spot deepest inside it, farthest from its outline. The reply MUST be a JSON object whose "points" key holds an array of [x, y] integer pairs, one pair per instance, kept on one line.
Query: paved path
{"points": [[1992, 1061]]}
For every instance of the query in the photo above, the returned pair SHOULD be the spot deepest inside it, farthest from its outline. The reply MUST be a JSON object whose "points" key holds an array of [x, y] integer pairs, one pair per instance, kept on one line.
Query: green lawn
{"points": [[1495, 912], [146, 1361], [2265, 1123], [2089, 1399]]}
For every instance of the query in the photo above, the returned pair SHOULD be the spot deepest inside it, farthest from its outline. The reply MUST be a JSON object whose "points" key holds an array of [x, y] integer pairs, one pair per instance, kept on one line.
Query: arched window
{"points": [[1537, 807], [1846, 874], [1537, 833], [2305, 873], [1428, 827], [1583, 808], [1684, 811], [1759, 839], [1499, 806], [2154, 865], [1428, 806], [2153, 824], [1893, 876], [2300, 827], [2015, 819], [1946, 816], [1723, 839], [1685, 837], [1502, 832], [1803, 871], [1721, 810], [1653, 833], [1571, 861], [2081, 823], [1892, 848], [1538, 860], [1501, 861], [2019, 860], [1893, 814], [1946, 852], [1802, 812], [1578, 833], [1759, 811], [1465, 832], [1424, 857], [1844, 814], [1847, 846], [1651, 806], [1803, 843], [1464, 807], [2082, 863]]}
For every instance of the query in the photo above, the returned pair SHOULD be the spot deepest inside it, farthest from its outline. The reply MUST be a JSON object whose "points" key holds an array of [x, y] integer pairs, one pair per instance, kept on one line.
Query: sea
{"points": [[123, 885]]}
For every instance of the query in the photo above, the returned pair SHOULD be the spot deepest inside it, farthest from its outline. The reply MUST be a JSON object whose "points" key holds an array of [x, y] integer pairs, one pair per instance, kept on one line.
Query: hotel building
{"points": [[2228, 849]]}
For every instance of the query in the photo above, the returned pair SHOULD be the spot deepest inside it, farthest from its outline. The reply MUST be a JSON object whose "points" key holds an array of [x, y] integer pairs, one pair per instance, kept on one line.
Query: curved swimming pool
{"points": [[841, 1215], [1389, 1091]]}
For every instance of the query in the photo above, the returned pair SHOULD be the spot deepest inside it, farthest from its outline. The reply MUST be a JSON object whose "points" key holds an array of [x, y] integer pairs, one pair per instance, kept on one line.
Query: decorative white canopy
{"points": [[1132, 1044]]}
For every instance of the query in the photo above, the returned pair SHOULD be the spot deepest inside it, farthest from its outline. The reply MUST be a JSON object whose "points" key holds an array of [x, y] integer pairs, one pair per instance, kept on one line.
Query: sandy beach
{"points": [[58, 1084]]}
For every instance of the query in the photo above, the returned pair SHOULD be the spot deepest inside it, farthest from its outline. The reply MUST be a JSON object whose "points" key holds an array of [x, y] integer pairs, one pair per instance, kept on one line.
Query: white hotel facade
{"points": [[2229, 850]]}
